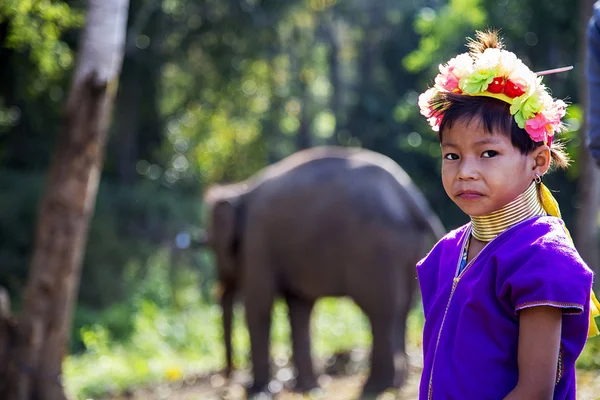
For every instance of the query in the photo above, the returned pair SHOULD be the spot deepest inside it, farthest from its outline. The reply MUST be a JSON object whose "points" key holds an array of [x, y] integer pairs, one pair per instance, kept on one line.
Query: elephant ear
{"points": [[224, 222], [225, 234]]}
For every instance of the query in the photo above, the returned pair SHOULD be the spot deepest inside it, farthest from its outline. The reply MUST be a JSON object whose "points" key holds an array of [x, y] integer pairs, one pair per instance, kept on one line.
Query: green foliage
{"points": [[9, 116], [36, 26], [168, 344], [230, 126], [129, 226], [574, 121], [218, 88], [16, 227], [442, 30], [590, 358]]}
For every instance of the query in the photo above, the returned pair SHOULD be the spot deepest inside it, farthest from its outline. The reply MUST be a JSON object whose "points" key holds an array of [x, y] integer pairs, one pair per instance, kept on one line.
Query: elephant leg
{"points": [[401, 320], [259, 304], [382, 372], [400, 356], [299, 314]]}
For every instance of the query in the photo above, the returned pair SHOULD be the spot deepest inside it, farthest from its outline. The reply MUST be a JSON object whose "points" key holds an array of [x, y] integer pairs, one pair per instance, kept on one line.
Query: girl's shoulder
{"points": [[546, 234], [537, 264], [543, 241]]}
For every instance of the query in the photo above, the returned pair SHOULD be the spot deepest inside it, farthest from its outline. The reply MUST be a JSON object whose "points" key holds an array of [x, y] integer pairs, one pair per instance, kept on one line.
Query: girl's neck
{"points": [[486, 227]]}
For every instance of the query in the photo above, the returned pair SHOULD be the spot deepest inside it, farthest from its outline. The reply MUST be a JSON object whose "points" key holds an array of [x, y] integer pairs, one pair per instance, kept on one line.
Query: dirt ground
{"points": [[342, 380]]}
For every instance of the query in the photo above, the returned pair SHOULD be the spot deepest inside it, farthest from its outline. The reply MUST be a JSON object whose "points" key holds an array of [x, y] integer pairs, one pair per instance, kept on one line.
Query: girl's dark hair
{"points": [[495, 117]]}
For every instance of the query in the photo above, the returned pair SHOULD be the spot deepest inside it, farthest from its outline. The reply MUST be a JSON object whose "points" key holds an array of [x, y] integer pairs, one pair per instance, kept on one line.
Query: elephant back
{"points": [[331, 180]]}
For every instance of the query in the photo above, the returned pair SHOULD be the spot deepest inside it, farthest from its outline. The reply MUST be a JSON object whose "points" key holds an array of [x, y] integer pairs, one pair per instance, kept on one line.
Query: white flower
{"points": [[508, 62], [488, 60], [523, 75], [462, 63]]}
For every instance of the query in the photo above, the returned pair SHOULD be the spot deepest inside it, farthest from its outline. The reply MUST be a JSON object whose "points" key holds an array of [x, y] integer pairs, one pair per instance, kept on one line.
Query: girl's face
{"points": [[482, 172]]}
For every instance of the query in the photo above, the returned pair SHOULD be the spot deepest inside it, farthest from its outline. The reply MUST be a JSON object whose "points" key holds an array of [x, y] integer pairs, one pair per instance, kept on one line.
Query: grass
{"points": [[168, 344]]}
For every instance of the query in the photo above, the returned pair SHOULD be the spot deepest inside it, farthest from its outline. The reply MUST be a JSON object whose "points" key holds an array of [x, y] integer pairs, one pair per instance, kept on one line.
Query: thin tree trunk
{"points": [[137, 123], [332, 37], [298, 52], [304, 135], [127, 121], [270, 125], [7, 336], [586, 236], [44, 324], [371, 43]]}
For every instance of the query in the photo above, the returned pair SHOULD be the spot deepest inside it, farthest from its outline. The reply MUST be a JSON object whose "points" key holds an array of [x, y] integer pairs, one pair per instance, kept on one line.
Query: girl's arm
{"points": [[539, 343]]}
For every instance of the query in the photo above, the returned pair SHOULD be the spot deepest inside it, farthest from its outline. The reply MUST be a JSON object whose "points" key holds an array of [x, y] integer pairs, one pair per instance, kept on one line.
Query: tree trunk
{"points": [[298, 52], [586, 235], [127, 120], [137, 124], [371, 43], [35, 365], [332, 37], [270, 124], [7, 337], [304, 135]]}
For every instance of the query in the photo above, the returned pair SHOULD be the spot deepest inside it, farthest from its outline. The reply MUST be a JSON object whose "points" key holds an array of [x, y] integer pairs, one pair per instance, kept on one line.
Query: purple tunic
{"points": [[471, 329]]}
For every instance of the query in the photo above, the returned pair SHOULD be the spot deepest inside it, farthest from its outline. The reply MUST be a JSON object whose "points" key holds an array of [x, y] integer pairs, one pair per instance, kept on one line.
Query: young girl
{"points": [[507, 298]]}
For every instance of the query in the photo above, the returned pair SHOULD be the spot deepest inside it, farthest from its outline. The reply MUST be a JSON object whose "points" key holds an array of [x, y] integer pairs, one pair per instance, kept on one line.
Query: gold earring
{"points": [[538, 179]]}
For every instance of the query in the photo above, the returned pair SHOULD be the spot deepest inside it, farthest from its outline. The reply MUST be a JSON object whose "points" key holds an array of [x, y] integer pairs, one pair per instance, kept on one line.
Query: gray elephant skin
{"points": [[328, 221]]}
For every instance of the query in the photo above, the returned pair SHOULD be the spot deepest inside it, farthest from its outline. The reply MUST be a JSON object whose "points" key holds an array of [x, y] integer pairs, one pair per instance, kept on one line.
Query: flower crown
{"points": [[498, 73]]}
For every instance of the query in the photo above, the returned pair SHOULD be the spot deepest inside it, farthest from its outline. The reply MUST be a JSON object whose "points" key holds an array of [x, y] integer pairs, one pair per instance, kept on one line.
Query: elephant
{"points": [[326, 221]]}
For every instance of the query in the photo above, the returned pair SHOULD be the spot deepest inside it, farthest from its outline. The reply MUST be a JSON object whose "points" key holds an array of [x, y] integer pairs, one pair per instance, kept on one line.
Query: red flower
{"points": [[513, 89], [497, 85]]}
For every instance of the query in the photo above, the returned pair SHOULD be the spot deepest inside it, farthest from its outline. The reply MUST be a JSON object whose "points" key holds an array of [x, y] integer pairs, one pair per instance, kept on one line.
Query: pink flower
{"points": [[555, 112], [435, 122], [547, 122], [538, 127], [450, 74], [447, 79]]}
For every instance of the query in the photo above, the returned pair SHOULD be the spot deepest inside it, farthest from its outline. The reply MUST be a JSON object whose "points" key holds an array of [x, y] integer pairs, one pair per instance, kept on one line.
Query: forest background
{"points": [[212, 91]]}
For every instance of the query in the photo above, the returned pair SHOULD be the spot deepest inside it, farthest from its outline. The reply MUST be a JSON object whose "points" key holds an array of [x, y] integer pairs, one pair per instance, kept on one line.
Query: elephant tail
{"points": [[227, 301]]}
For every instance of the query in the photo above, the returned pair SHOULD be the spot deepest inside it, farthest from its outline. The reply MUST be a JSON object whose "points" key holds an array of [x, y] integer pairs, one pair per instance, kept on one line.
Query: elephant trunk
{"points": [[227, 300]]}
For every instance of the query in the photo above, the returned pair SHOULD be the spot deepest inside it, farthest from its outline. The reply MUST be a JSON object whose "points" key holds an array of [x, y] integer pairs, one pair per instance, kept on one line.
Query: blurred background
{"points": [[212, 91]]}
